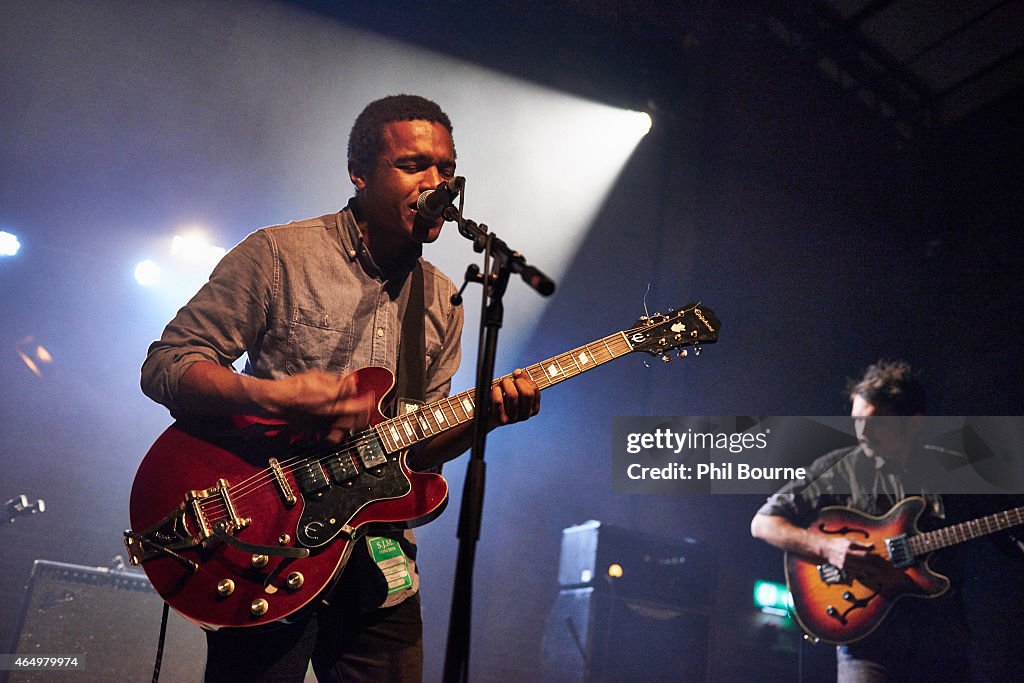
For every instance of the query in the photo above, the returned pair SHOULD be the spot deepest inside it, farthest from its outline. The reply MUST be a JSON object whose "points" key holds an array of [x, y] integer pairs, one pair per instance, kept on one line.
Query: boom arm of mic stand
{"points": [[513, 260]]}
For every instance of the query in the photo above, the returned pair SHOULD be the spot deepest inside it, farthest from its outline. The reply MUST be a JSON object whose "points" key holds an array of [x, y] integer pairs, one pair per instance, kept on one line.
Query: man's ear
{"points": [[357, 176]]}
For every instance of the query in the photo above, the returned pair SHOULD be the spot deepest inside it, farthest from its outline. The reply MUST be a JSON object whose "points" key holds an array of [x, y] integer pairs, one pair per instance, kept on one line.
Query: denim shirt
{"points": [[302, 296]]}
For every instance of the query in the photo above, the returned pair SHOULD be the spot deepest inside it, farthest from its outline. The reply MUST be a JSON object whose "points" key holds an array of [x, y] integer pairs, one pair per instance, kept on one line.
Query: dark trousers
{"points": [[344, 644], [921, 641]]}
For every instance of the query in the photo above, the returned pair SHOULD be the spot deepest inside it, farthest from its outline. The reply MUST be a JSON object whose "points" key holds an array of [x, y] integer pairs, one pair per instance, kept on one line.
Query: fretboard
{"points": [[429, 420], [965, 531]]}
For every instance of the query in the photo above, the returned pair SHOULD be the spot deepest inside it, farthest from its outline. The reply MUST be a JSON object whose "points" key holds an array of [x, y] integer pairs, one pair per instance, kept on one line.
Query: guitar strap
{"points": [[387, 551], [412, 353]]}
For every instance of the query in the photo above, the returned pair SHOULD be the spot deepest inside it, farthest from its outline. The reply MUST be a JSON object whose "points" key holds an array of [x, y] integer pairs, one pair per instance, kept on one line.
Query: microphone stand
{"points": [[494, 278]]}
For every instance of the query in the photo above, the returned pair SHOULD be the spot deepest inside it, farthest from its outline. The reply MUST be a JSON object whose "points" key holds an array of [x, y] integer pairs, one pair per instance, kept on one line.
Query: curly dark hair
{"points": [[893, 385], [365, 142]]}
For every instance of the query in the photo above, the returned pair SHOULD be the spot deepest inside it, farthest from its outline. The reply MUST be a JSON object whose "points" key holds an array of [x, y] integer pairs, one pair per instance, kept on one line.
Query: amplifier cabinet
{"points": [[673, 571], [112, 617], [596, 637]]}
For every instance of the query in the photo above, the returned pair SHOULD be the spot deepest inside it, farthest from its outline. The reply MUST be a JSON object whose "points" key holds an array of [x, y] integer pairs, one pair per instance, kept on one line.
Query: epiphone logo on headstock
{"points": [[704, 320]]}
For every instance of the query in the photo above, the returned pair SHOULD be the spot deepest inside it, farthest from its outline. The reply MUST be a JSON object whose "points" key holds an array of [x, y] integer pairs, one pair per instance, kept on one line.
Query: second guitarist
{"points": [[921, 639]]}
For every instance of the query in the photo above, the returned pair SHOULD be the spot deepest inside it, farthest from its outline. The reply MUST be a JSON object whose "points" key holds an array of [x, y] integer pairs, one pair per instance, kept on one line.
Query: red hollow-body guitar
{"points": [[842, 606], [244, 524]]}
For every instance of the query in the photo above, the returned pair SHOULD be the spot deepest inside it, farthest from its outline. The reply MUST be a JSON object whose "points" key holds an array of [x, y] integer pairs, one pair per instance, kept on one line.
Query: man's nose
{"points": [[430, 179]]}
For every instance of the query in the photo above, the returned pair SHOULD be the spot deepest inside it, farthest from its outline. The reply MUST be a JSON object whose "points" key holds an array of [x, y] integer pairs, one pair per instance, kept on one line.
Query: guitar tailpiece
{"points": [[134, 542]]}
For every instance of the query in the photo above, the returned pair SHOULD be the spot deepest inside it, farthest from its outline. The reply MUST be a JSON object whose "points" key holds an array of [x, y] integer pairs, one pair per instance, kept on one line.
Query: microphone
{"points": [[432, 203]]}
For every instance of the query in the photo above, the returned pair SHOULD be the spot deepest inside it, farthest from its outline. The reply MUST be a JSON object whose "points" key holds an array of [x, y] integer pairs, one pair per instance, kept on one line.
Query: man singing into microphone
{"points": [[310, 302]]}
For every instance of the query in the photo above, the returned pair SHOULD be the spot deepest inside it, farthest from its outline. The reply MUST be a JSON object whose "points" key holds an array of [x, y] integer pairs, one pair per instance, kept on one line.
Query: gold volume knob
{"points": [[259, 561], [225, 587], [294, 581], [259, 607]]}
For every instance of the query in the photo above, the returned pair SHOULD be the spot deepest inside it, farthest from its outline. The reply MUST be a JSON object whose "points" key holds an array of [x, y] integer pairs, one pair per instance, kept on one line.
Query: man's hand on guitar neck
{"points": [[781, 533], [514, 398]]}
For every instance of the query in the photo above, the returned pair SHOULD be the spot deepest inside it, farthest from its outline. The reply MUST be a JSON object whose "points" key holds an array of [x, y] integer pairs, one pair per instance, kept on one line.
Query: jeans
{"points": [[343, 643]]}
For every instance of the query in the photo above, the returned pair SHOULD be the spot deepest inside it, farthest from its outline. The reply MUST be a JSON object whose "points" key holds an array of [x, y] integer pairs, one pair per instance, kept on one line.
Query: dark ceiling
{"points": [[918, 64]]}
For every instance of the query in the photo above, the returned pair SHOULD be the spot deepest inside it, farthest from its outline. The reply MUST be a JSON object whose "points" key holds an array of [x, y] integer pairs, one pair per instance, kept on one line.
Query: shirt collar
{"points": [[351, 240], [355, 249]]}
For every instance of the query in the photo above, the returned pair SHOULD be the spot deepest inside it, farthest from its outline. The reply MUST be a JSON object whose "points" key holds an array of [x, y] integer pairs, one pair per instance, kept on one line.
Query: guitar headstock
{"points": [[658, 334]]}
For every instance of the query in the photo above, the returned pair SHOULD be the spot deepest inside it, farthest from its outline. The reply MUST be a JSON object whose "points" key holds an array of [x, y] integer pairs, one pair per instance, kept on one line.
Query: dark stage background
{"points": [[823, 234]]}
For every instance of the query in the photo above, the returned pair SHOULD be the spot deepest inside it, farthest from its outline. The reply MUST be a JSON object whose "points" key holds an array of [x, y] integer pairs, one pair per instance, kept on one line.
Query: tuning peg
{"points": [[666, 358], [683, 353], [696, 350]]}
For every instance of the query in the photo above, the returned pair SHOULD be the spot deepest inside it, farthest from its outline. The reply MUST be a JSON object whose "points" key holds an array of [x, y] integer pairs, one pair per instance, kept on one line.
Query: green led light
{"points": [[772, 597]]}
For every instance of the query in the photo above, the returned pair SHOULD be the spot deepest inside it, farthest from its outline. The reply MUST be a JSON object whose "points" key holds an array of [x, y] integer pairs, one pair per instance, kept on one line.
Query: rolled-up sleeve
{"points": [[226, 318], [800, 500]]}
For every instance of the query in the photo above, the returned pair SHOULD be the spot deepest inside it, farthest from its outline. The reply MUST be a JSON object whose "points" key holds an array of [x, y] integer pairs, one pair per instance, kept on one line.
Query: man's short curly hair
{"points": [[893, 385], [366, 141]]}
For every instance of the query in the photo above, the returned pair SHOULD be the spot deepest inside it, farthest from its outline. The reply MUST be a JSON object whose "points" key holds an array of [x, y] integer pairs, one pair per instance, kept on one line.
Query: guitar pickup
{"points": [[310, 477], [341, 468], [371, 454], [899, 551]]}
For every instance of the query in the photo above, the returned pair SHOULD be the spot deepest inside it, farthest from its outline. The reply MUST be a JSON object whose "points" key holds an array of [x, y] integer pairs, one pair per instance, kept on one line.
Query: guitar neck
{"points": [[965, 531], [399, 433]]}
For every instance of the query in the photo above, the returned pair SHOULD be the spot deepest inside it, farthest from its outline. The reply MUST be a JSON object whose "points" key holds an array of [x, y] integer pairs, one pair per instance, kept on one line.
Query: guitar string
{"points": [[957, 533], [216, 506], [266, 476]]}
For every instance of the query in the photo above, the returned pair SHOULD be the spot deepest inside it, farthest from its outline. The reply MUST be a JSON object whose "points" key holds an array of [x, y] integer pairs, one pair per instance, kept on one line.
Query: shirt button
{"points": [[380, 331]]}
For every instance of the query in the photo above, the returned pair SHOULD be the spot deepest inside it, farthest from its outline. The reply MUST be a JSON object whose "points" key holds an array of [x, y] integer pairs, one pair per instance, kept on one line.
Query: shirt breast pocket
{"points": [[433, 346], [317, 340]]}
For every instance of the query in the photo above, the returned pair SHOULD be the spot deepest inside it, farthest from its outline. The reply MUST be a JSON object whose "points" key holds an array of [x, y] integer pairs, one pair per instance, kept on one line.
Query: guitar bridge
{"points": [[831, 574], [194, 500]]}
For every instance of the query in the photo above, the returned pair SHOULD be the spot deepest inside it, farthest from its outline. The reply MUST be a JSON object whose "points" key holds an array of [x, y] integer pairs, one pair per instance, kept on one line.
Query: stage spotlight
{"points": [[642, 122], [195, 248], [9, 244], [189, 263], [147, 273]]}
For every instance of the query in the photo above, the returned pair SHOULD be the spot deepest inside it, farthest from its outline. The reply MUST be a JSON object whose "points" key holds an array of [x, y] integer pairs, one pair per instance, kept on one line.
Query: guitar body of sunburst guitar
{"points": [[843, 606]]}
